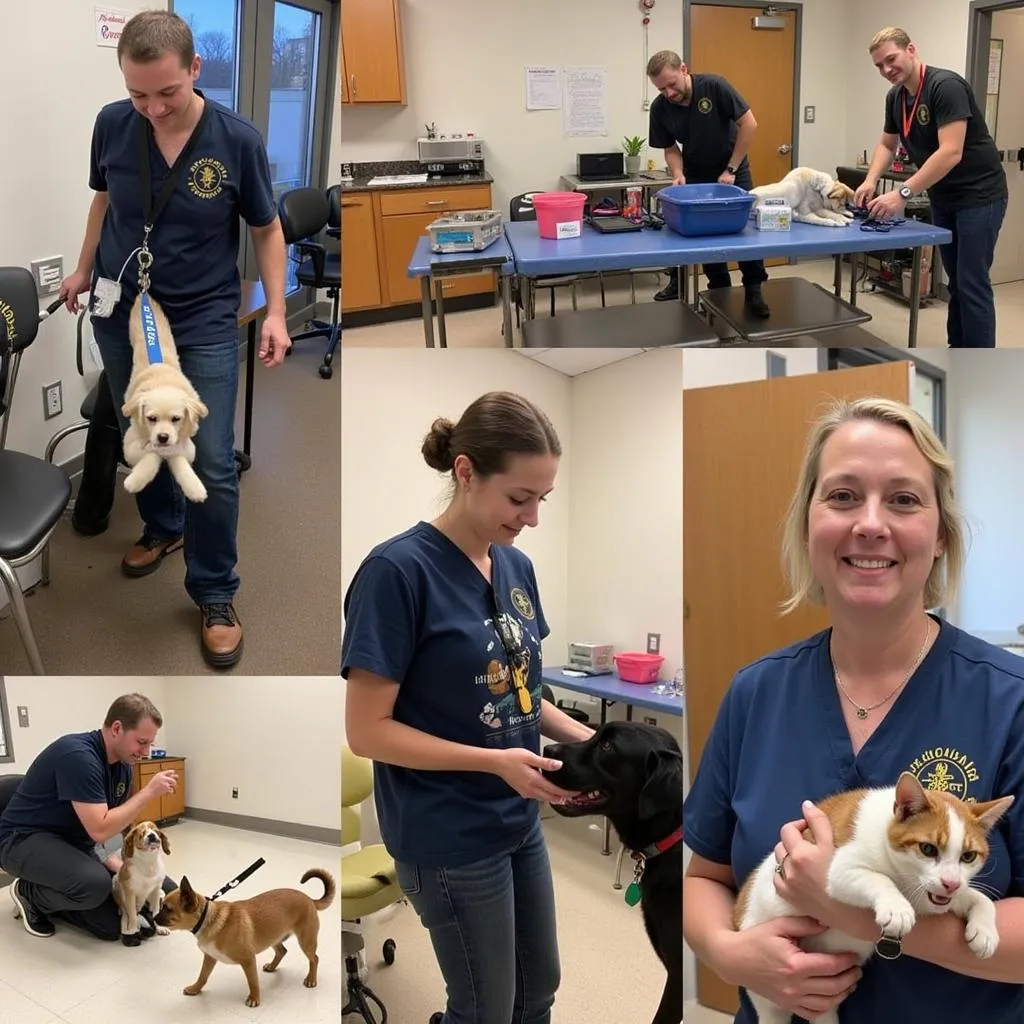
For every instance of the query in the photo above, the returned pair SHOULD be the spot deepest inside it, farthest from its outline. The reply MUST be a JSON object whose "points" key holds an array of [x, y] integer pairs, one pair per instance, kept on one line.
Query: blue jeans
{"points": [[492, 925], [210, 527], [967, 260]]}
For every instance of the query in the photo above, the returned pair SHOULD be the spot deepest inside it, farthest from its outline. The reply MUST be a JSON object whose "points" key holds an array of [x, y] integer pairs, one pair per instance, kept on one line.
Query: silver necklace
{"points": [[862, 712]]}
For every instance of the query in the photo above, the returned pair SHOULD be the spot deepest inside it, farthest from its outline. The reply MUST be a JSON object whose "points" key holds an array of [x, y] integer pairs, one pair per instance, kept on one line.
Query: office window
{"points": [[6, 740], [216, 27]]}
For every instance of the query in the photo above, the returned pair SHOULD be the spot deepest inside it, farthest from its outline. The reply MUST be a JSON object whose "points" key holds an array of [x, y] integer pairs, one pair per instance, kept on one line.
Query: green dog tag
{"points": [[632, 894]]}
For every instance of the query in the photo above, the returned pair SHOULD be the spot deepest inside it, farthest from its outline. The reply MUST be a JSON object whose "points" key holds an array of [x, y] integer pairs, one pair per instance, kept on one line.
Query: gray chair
{"points": [[33, 492]]}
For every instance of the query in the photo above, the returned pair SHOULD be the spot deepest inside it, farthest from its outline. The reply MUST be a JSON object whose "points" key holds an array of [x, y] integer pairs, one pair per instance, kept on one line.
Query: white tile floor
{"points": [[693, 1013], [74, 979], [609, 972], [482, 327]]}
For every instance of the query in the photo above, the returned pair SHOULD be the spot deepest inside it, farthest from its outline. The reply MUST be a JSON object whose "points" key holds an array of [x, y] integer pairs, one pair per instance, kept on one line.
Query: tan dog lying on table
{"points": [[163, 407], [139, 881], [814, 197], [234, 932]]}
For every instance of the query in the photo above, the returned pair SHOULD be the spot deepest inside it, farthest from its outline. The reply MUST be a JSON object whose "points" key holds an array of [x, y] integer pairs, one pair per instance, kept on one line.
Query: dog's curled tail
{"points": [[329, 887]]}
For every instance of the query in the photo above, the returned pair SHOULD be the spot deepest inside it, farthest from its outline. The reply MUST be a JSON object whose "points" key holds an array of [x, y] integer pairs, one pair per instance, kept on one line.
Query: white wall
{"points": [[44, 180], [464, 70], [277, 740]]}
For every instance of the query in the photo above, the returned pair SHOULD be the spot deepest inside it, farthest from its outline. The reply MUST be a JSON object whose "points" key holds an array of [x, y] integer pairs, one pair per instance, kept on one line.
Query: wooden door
{"points": [[742, 446], [342, 75], [371, 40], [400, 235], [360, 280], [761, 65]]}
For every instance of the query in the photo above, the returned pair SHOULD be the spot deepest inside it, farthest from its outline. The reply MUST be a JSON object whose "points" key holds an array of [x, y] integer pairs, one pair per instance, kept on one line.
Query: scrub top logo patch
{"points": [[207, 177], [945, 770], [704, 105], [520, 599], [923, 115], [120, 789]]}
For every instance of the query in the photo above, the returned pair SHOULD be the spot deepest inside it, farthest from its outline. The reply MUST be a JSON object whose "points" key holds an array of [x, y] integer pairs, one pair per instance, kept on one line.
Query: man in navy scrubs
{"points": [[175, 170], [705, 128]]}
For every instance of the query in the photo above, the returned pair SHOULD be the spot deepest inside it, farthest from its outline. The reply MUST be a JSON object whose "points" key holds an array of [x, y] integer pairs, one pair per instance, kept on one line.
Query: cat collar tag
{"points": [[889, 948]]}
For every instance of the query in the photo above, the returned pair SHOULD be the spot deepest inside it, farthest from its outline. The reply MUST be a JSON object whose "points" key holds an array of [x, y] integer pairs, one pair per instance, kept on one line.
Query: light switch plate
{"points": [[22, 716], [809, 113]]}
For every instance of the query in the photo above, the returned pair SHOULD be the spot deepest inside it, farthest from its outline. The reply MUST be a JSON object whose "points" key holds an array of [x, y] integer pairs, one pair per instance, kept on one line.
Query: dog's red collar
{"points": [[661, 845]]}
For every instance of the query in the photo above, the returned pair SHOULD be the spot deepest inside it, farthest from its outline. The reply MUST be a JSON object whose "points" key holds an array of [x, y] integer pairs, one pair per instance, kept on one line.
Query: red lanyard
{"points": [[908, 122]]}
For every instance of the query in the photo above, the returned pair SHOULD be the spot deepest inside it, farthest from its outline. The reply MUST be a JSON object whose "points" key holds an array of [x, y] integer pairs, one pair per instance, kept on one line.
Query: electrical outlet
{"points": [[809, 113], [53, 400], [23, 716], [650, 720], [48, 274], [653, 643], [234, 793]]}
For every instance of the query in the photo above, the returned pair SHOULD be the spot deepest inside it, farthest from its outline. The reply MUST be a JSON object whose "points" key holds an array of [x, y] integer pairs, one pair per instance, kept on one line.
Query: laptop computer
{"points": [[613, 225]]}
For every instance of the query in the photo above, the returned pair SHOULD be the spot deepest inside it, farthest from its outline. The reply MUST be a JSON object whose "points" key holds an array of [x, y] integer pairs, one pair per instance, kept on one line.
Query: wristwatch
{"points": [[906, 192], [731, 169]]}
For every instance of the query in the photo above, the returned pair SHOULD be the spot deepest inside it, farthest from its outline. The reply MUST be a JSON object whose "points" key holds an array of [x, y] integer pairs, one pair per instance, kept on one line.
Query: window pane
{"points": [[215, 26]]}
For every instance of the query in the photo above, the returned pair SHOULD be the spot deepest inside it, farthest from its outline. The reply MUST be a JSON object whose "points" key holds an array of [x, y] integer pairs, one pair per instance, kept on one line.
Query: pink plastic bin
{"points": [[559, 214], [634, 667]]}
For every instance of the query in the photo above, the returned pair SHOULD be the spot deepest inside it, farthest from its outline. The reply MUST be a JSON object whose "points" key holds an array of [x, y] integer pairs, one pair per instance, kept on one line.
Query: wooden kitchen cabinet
{"points": [[360, 278], [162, 808], [373, 62]]}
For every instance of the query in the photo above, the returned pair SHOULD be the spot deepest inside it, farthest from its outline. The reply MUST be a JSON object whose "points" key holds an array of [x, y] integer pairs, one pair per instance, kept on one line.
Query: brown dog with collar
{"points": [[235, 932]]}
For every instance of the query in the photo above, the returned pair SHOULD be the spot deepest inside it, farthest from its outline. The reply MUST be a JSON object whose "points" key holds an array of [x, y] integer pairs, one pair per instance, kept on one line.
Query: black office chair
{"points": [[570, 709], [103, 449], [521, 208], [305, 212], [33, 492]]}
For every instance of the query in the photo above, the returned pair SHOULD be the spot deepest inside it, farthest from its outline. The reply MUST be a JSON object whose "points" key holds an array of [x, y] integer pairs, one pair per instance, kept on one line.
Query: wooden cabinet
{"points": [[373, 64], [170, 805], [379, 232], [360, 280]]}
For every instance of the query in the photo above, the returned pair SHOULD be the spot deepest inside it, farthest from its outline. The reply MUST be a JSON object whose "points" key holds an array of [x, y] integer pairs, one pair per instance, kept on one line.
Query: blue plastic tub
{"points": [[706, 209]]}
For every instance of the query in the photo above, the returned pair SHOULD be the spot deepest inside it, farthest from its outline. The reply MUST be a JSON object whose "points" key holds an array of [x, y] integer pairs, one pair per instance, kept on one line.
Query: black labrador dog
{"points": [[633, 775]]}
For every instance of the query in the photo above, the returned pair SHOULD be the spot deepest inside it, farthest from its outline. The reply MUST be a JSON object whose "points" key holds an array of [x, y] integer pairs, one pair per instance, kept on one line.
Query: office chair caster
{"points": [[360, 996], [388, 952], [326, 371]]}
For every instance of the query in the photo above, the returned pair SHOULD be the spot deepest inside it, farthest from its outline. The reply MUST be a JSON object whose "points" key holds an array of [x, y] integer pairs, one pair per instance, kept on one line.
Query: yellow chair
{"points": [[368, 885]]}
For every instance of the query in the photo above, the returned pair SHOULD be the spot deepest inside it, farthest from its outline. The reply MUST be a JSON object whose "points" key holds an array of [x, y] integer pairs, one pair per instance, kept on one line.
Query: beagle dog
{"points": [[139, 882]]}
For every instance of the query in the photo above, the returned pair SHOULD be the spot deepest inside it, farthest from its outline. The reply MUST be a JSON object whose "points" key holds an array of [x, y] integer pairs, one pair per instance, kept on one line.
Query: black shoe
{"points": [[670, 291], [35, 923], [436, 1018], [756, 304], [131, 940]]}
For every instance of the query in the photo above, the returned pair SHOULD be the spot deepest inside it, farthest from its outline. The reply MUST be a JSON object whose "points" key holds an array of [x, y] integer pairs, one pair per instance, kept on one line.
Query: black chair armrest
{"points": [[334, 232], [317, 254]]}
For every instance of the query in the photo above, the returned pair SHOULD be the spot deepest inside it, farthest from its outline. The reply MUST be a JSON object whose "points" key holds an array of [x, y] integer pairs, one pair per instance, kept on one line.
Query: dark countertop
{"points": [[359, 184]]}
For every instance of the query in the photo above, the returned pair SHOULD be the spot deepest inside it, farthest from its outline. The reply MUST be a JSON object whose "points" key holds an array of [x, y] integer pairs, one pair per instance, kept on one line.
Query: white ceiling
{"points": [[574, 361]]}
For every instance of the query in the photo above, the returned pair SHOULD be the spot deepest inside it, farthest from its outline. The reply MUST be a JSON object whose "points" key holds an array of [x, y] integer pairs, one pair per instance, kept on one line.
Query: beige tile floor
{"points": [[73, 979], [482, 327], [696, 1014]]}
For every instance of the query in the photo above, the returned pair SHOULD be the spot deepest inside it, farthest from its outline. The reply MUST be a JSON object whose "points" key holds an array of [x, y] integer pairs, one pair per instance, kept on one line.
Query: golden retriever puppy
{"points": [[139, 882], [814, 197], [163, 407]]}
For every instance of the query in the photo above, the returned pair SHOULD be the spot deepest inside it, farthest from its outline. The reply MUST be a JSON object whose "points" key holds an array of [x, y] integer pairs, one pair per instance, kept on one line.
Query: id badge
{"points": [[105, 296]]}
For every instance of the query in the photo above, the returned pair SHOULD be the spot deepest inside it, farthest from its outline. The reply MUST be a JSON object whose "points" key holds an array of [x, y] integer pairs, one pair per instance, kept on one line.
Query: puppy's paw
{"points": [[194, 490], [132, 940], [192, 990], [162, 931], [252, 1000], [309, 982], [894, 915], [133, 483]]}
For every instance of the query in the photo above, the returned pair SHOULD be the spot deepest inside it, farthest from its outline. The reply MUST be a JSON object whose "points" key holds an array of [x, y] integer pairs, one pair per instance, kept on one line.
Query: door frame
{"points": [[797, 7], [979, 35]]}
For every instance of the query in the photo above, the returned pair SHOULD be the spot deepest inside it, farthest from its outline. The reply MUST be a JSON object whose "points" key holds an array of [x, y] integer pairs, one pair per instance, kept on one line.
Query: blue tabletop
{"points": [[611, 687], [635, 250], [424, 261]]}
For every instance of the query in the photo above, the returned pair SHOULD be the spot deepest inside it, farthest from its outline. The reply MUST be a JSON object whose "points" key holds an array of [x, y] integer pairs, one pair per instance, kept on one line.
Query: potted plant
{"points": [[633, 147]]}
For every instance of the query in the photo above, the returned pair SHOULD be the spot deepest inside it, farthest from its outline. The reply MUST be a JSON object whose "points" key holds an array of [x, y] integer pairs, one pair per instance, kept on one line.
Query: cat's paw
{"points": [[894, 915], [981, 934]]}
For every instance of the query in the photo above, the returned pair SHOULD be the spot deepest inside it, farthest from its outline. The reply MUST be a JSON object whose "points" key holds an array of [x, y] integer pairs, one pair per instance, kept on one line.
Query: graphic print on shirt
{"points": [[206, 178], [503, 709], [945, 770]]}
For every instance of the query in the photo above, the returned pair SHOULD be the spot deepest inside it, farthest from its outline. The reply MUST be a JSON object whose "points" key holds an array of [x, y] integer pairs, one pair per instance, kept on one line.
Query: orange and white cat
{"points": [[900, 851]]}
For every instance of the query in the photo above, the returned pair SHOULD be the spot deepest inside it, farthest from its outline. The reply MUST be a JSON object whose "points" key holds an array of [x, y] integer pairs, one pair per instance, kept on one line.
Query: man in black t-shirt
{"points": [[705, 128], [73, 800], [934, 113]]}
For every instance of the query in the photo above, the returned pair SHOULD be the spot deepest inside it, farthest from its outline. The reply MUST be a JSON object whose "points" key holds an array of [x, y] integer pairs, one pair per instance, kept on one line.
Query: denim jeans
{"points": [[492, 925], [967, 260], [210, 527]]}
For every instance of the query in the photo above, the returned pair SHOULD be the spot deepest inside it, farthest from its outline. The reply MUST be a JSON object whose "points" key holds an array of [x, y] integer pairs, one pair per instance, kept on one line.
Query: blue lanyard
{"points": [[153, 352]]}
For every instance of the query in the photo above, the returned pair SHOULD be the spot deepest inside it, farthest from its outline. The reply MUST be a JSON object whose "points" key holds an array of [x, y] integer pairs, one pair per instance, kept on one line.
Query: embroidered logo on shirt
{"points": [[704, 105], [945, 770], [120, 789], [923, 115], [207, 177], [522, 603]]}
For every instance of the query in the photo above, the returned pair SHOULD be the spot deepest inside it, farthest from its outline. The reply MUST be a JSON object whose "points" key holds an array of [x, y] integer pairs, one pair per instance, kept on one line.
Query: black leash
{"points": [[236, 881]]}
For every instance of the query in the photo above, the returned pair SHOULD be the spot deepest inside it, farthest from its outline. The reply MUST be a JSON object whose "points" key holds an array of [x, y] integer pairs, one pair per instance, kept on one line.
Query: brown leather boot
{"points": [[147, 553], [221, 636]]}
